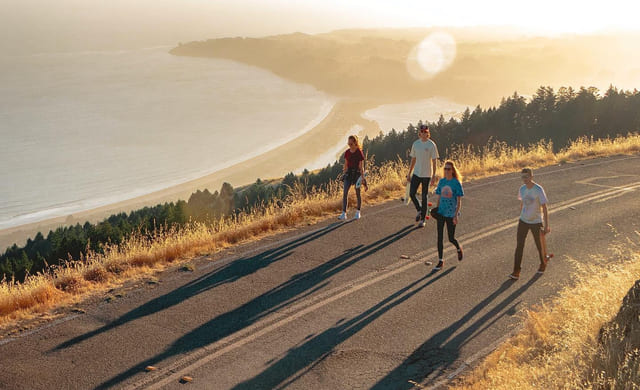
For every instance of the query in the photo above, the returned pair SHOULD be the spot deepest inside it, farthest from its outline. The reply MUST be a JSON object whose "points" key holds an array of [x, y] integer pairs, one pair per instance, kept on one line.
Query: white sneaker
{"points": [[343, 216], [357, 216]]}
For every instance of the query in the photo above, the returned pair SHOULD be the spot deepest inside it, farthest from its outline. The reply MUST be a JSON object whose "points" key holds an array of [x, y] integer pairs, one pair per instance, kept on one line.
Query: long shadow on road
{"points": [[441, 350], [227, 273], [303, 358], [283, 295]]}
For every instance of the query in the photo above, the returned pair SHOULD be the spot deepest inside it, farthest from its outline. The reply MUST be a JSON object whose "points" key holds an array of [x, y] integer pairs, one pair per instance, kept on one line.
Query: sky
{"points": [[62, 25]]}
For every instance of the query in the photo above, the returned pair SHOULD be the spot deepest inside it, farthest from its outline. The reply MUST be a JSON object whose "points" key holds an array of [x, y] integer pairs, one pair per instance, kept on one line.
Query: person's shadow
{"points": [[227, 273], [303, 358], [279, 297], [441, 350]]}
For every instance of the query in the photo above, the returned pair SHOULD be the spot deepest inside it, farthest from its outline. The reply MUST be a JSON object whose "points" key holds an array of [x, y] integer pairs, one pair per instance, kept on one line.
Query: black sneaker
{"points": [[418, 216], [460, 254], [439, 266]]}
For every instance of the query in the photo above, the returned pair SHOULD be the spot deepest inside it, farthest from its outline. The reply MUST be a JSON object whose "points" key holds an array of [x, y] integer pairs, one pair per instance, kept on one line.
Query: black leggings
{"points": [[451, 232], [523, 229]]}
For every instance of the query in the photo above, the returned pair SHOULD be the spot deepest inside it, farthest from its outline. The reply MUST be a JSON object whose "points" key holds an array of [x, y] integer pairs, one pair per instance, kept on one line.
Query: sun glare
{"points": [[431, 56]]}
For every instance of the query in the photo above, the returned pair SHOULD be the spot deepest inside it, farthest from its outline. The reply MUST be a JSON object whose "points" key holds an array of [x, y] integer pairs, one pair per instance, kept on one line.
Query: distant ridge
{"points": [[372, 63]]}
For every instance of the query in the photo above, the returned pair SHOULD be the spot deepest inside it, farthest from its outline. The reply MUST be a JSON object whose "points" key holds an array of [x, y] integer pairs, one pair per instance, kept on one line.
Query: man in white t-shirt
{"points": [[533, 210], [424, 155]]}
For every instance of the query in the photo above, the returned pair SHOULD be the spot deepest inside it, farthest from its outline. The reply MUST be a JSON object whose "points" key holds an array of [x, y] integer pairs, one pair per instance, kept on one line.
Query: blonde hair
{"points": [[454, 170], [354, 138]]}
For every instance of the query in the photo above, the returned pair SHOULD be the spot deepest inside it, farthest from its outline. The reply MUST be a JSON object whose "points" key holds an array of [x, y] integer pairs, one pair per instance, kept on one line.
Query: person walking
{"points": [[533, 200], [449, 203], [424, 155], [352, 171]]}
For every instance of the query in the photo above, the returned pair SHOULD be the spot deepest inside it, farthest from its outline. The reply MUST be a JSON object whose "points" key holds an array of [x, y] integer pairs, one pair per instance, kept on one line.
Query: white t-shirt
{"points": [[532, 200], [424, 152]]}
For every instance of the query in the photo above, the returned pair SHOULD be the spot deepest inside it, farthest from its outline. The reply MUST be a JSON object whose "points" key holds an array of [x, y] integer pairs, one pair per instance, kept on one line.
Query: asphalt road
{"points": [[336, 305]]}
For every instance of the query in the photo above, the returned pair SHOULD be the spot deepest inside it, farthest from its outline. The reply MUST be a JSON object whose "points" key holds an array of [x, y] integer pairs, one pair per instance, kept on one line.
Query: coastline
{"points": [[170, 179], [275, 163]]}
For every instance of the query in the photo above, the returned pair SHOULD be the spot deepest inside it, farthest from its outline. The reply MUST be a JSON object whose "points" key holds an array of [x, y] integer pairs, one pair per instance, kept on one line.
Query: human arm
{"points": [[411, 165], [362, 175], [434, 165], [458, 207], [435, 200], [545, 215], [437, 195]]}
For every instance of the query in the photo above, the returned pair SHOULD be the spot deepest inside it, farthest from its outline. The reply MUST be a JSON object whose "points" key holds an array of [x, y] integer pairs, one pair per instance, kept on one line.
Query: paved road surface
{"points": [[335, 306]]}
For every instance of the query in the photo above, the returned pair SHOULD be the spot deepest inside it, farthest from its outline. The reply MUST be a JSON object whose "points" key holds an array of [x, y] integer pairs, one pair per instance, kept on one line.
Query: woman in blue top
{"points": [[449, 203]]}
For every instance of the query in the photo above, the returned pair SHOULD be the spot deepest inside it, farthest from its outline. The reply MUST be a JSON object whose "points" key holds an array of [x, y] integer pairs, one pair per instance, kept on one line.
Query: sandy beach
{"points": [[276, 163]]}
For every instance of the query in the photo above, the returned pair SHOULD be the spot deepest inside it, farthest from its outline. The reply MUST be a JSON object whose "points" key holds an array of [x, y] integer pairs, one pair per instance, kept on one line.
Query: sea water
{"points": [[84, 129], [399, 116]]}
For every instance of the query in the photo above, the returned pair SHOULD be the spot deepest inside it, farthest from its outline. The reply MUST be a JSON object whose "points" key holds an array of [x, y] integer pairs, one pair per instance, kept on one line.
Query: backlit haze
{"points": [[111, 102], [66, 25]]}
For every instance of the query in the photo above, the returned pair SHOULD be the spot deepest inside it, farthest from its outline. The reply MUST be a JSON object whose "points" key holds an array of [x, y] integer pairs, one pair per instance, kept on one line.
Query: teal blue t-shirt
{"points": [[449, 191]]}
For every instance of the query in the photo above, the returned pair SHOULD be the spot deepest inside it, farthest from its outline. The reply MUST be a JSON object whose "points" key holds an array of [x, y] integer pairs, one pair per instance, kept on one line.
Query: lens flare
{"points": [[431, 56]]}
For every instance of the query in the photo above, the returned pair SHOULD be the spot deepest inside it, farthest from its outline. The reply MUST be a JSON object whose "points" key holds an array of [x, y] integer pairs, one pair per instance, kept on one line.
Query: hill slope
{"points": [[373, 64]]}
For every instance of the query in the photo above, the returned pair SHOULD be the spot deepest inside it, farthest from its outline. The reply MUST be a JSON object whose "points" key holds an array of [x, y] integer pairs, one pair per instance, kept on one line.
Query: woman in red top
{"points": [[352, 171]]}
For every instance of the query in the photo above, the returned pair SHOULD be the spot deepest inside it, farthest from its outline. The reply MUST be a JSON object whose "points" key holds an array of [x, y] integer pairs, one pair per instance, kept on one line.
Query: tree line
{"points": [[555, 116], [558, 117]]}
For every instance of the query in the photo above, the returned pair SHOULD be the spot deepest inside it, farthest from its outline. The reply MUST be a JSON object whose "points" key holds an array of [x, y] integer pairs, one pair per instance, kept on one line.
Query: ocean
{"points": [[399, 116], [80, 130], [84, 129]]}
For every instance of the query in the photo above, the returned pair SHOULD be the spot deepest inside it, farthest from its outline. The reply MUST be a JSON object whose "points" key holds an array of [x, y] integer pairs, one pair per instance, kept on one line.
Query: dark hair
{"points": [[424, 127]]}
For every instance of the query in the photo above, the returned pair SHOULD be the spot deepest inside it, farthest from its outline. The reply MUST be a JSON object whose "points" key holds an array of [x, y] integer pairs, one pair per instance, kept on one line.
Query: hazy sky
{"points": [[60, 25]]}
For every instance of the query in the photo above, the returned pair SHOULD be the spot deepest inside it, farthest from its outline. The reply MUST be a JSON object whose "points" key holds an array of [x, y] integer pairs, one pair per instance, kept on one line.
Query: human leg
{"points": [[535, 230], [413, 189], [537, 238], [451, 232], [424, 181], [545, 254], [523, 229], [440, 228], [345, 194]]}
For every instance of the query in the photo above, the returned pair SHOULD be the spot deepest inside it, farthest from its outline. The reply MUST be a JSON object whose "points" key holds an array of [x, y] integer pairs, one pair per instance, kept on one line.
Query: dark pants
{"points": [[451, 233], [523, 229], [345, 194], [415, 183]]}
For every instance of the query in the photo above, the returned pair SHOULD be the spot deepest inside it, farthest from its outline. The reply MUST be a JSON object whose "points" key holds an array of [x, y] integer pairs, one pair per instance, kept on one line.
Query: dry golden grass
{"points": [[142, 255], [497, 157], [558, 343]]}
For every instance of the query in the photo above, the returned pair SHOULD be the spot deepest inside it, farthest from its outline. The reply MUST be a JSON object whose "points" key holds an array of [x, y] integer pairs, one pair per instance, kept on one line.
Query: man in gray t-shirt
{"points": [[534, 217], [424, 155]]}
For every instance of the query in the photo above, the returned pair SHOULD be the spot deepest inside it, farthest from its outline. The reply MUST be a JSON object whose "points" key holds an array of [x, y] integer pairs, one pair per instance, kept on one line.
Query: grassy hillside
{"points": [[577, 341], [145, 254]]}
